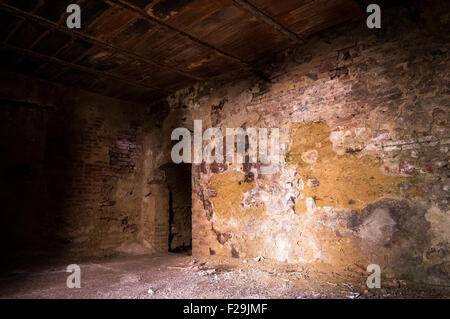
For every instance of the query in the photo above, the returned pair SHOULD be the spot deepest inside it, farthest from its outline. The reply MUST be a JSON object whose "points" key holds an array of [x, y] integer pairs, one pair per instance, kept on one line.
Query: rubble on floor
{"points": [[181, 276]]}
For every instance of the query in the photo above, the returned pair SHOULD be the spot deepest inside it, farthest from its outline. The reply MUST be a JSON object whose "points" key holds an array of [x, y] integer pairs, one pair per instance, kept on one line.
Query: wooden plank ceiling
{"points": [[143, 50]]}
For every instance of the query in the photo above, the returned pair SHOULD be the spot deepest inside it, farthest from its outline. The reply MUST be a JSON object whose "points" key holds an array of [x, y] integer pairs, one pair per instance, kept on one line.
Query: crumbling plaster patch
{"points": [[365, 156]]}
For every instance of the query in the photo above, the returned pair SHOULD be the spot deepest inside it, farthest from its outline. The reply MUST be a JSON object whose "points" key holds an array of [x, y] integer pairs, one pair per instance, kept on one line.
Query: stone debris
{"points": [[206, 272], [222, 278], [130, 278]]}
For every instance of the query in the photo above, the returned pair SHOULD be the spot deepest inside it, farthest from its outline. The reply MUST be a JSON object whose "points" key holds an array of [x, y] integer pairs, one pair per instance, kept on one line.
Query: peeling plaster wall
{"points": [[365, 139]]}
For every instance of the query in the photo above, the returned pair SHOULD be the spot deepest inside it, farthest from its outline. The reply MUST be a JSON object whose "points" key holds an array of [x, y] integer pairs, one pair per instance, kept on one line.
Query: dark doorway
{"points": [[178, 178]]}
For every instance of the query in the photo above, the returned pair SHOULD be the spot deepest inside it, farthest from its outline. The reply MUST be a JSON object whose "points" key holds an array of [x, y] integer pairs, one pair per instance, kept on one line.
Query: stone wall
{"points": [[364, 167], [76, 172]]}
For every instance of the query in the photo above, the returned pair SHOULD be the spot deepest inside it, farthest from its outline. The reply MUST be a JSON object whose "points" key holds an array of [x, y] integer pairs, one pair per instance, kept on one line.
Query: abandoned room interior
{"points": [[165, 149]]}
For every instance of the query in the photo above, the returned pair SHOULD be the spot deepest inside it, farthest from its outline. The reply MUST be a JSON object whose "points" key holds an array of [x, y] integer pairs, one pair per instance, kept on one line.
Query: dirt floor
{"points": [[183, 276]]}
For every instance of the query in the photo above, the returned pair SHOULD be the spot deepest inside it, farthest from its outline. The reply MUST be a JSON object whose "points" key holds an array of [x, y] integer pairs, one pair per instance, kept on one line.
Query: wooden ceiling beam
{"points": [[81, 68], [145, 15], [42, 21]]}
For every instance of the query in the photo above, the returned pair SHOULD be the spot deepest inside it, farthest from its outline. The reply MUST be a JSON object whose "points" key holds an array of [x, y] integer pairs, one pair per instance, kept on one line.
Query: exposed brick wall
{"points": [[72, 168], [372, 107]]}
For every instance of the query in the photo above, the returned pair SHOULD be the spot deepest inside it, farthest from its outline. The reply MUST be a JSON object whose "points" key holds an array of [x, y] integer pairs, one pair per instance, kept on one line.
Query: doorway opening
{"points": [[178, 179]]}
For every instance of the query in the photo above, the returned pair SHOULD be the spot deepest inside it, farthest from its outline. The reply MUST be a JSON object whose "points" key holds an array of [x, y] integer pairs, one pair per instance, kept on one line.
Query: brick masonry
{"points": [[372, 107], [73, 174]]}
